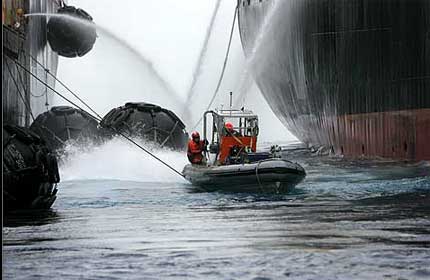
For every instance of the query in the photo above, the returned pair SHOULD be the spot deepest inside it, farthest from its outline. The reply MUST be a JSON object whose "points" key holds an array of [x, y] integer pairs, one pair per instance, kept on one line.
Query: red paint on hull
{"points": [[399, 135]]}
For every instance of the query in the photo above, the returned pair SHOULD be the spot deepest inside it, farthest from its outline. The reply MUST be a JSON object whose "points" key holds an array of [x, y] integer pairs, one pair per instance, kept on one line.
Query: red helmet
{"points": [[229, 126], [195, 134]]}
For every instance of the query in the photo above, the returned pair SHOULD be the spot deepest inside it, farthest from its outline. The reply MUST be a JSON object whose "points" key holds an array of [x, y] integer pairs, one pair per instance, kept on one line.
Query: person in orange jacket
{"points": [[196, 147], [230, 130]]}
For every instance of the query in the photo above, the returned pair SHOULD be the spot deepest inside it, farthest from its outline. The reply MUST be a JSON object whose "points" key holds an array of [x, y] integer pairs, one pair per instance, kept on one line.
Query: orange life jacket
{"points": [[195, 151]]}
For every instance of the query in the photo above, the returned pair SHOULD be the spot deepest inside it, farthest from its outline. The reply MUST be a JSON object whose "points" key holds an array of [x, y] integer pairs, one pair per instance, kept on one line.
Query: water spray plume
{"points": [[198, 68], [117, 159], [127, 137], [168, 89], [245, 81], [220, 79]]}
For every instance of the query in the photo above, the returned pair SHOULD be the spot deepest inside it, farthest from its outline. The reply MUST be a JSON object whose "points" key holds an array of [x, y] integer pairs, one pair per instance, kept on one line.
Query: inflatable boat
{"points": [[270, 175], [236, 166]]}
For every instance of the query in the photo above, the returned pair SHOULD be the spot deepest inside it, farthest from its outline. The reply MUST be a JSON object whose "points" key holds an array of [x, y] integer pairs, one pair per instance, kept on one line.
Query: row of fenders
{"points": [[146, 121], [30, 168]]}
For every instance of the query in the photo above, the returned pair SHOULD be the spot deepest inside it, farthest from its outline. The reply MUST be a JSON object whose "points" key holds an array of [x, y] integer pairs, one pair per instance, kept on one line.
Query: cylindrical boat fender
{"points": [[63, 123], [30, 171], [120, 116], [68, 37], [148, 121]]}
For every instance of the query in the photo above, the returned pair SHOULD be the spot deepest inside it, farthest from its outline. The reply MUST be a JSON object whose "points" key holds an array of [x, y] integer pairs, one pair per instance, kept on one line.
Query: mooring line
{"points": [[51, 88], [202, 55], [223, 67], [27, 106], [61, 83], [95, 117]]}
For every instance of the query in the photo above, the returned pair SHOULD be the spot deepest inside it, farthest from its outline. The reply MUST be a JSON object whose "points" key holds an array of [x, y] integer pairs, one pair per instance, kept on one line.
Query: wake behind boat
{"points": [[232, 162]]}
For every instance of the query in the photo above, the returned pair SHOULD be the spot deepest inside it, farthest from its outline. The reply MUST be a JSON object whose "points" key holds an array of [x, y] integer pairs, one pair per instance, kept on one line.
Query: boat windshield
{"points": [[247, 127], [245, 124]]}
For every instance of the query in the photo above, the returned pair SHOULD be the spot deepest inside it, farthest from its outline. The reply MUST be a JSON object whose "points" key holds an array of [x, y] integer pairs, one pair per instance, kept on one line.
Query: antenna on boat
{"points": [[231, 101]]}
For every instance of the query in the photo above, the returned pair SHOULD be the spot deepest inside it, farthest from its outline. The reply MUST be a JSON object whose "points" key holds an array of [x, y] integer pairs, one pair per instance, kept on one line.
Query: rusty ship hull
{"points": [[353, 76]]}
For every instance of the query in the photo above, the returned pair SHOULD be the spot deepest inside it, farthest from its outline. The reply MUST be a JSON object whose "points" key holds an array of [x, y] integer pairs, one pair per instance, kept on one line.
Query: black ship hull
{"points": [[25, 184], [25, 39], [353, 76]]}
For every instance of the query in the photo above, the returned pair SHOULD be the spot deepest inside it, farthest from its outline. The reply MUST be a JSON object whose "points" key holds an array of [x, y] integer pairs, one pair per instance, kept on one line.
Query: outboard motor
{"points": [[69, 37], [64, 123], [30, 170], [148, 121]]}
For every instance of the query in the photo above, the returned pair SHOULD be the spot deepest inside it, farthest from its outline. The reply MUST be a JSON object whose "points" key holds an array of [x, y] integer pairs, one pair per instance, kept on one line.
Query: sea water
{"points": [[120, 215]]}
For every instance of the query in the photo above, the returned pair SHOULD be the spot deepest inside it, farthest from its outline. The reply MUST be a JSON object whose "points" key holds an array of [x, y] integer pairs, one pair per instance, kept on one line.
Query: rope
{"points": [[27, 106], [203, 52], [97, 118], [53, 134], [46, 59], [148, 152], [21, 81], [223, 67], [52, 89], [170, 134], [258, 177], [62, 84]]}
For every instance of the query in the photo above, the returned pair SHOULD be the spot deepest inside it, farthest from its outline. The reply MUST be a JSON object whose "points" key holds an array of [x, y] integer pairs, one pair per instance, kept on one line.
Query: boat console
{"points": [[236, 166], [231, 147]]}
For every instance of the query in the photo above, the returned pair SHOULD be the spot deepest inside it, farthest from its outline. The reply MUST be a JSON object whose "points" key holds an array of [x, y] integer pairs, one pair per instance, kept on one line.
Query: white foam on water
{"points": [[119, 159]]}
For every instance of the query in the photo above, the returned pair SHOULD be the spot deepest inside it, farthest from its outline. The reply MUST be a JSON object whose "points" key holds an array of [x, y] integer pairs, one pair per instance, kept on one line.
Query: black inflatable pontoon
{"points": [[270, 175], [236, 166]]}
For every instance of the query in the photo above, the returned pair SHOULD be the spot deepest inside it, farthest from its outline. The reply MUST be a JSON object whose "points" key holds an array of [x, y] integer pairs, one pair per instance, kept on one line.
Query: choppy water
{"points": [[357, 220]]}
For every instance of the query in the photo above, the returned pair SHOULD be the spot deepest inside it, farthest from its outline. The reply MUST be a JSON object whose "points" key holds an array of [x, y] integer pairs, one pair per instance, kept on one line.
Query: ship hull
{"points": [[27, 184], [353, 76], [24, 40]]}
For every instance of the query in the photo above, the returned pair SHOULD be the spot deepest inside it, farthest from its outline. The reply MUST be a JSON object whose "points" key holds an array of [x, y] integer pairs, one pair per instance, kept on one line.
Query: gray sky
{"points": [[167, 34]]}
